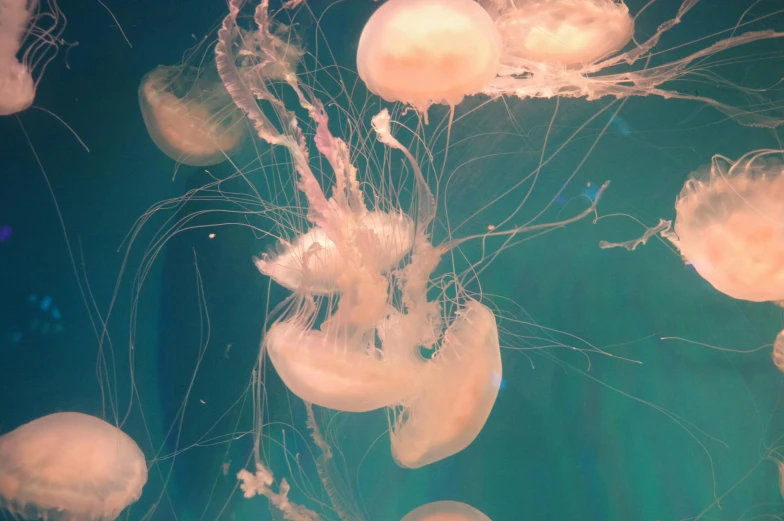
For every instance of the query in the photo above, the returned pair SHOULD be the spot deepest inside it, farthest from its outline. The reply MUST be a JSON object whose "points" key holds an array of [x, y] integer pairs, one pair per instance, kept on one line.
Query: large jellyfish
{"points": [[421, 52], [189, 115], [29, 38], [445, 511], [69, 467]]}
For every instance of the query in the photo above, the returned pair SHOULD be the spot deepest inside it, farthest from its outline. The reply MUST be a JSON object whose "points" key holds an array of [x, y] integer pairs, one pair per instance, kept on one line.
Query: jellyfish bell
{"points": [[459, 390], [189, 115], [312, 261], [568, 33], [69, 467], [421, 52], [445, 511], [730, 225], [29, 37]]}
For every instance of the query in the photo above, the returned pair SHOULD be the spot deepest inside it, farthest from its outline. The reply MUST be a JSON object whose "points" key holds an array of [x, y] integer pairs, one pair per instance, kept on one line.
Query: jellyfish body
{"points": [[312, 262], [445, 511], [189, 115], [421, 52], [567, 33], [69, 467], [730, 225], [459, 389], [29, 36]]}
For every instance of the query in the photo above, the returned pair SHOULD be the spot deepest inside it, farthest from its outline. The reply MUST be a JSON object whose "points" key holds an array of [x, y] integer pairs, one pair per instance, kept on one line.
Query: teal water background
{"points": [[565, 441]]}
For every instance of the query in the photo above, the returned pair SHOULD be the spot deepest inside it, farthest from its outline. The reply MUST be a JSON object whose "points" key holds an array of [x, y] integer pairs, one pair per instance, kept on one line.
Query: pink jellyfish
{"points": [[445, 511], [567, 48], [421, 52], [189, 115], [460, 386], [778, 351], [69, 467], [29, 39], [730, 225]]}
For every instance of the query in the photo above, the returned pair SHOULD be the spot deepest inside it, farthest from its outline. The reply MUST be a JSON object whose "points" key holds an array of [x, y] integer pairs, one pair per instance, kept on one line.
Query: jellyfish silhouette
{"points": [[69, 467], [445, 511], [189, 115], [30, 33]]}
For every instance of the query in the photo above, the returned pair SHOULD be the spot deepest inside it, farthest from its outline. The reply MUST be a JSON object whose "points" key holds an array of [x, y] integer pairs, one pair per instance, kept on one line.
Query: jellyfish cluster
{"points": [[372, 318]]}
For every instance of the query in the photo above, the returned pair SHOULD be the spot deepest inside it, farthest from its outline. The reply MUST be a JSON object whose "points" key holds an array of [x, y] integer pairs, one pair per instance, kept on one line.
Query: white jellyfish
{"points": [[29, 38], [445, 511], [189, 115], [69, 467], [422, 52]]}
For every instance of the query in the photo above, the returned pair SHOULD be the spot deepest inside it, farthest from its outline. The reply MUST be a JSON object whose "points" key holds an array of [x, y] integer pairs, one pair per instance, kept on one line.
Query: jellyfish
{"points": [[29, 39], [778, 352], [729, 225], [566, 48], [69, 466], [445, 511], [460, 386], [189, 115], [421, 52]]}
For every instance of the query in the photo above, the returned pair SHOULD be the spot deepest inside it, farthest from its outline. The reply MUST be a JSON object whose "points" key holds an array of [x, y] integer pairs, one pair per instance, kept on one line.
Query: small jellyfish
{"points": [[460, 386], [29, 38], [445, 511], [778, 351], [421, 52], [189, 115], [69, 467], [730, 225]]}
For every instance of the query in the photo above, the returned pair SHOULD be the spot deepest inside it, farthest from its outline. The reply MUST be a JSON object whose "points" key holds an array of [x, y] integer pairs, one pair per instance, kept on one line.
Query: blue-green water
{"points": [[656, 433]]}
